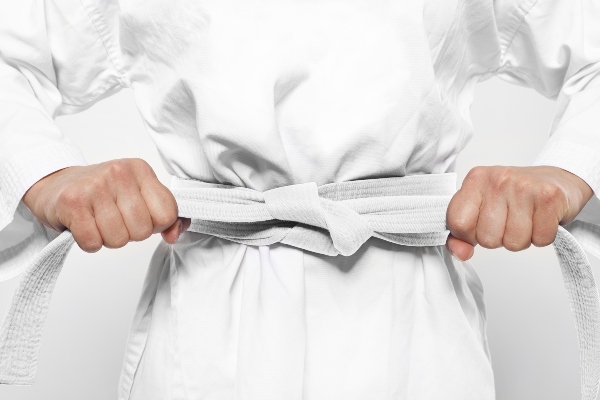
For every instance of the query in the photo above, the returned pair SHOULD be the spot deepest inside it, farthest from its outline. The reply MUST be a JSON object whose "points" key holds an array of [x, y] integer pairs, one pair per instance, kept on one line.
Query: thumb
{"points": [[171, 234], [461, 250]]}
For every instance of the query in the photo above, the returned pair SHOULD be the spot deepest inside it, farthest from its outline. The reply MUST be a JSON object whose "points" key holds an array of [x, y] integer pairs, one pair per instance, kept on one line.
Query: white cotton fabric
{"points": [[331, 219], [262, 94]]}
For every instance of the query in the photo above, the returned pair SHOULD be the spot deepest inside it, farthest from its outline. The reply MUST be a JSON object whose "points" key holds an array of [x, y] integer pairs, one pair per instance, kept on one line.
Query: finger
{"points": [[171, 234], [134, 211], [462, 215], [159, 200], [518, 232], [110, 222], [85, 232], [462, 250], [545, 224], [491, 222], [161, 204], [517, 235]]}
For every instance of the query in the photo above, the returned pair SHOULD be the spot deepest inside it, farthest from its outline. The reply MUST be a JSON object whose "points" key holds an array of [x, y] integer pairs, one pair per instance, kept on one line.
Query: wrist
{"points": [[577, 192], [36, 198]]}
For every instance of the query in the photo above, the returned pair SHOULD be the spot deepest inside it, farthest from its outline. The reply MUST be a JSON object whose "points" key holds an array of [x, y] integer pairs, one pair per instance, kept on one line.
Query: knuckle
{"points": [[142, 167], [82, 191], [142, 233], [88, 243], [139, 163], [543, 237], [117, 241], [72, 197], [541, 240], [79, 220], [118, 169], [522, 186], [94, 186], [549, 193], [477, 173], [488, 241], [90, 247], [515, 245], [502, 177], [166, 217], [459, 225]]}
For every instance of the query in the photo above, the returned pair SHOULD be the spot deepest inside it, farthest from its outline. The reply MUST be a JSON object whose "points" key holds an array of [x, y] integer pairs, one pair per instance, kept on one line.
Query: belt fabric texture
{"points": [[331, 219]]}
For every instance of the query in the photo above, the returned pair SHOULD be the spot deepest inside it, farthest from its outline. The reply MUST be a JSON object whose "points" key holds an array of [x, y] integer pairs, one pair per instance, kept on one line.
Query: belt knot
{"points": [[301, 203]]}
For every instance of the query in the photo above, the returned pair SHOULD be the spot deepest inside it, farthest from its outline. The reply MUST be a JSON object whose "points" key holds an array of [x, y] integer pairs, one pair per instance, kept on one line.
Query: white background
{"points": [[530, 328]]}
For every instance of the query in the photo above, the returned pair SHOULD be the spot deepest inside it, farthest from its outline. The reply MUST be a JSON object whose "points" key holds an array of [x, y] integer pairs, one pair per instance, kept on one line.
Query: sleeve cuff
{"points": [[573, 157], [20, 172]]}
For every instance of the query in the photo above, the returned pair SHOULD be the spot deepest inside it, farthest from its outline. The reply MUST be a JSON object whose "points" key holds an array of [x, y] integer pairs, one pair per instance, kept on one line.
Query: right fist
{"points": [[108, 204]]}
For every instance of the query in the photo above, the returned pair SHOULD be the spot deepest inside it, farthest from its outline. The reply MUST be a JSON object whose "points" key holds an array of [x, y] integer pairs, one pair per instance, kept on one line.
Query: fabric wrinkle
{"points": [[247, 98]]}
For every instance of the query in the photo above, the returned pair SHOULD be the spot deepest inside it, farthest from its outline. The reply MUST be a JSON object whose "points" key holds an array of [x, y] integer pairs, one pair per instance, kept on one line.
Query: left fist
{"points": [[513, 207]]}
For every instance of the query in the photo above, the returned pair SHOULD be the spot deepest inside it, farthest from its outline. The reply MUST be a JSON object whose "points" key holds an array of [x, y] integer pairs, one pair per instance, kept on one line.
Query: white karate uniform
{"points": [[262, 94]]}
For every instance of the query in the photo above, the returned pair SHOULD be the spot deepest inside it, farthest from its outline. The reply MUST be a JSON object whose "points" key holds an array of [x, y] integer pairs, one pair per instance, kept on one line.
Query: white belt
{"points": [[331, 219]]}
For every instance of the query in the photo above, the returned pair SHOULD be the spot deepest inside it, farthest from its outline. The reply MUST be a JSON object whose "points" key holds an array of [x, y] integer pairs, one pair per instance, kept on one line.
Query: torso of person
{"points": [[261, 94]]}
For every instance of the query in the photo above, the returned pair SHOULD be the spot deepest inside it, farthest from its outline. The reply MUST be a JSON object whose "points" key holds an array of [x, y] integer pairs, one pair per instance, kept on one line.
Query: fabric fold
{"points": [[405, 210], [21, 331], [25, 237]]}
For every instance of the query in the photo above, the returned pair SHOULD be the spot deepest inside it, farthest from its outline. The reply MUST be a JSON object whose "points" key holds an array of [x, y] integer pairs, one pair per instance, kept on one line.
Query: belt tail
{"points": [[21, 330], [585, 302]]}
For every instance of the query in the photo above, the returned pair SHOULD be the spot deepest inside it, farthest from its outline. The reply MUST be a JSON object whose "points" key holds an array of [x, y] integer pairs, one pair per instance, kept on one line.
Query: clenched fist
{"points": [[107, 204], [513, 207]]}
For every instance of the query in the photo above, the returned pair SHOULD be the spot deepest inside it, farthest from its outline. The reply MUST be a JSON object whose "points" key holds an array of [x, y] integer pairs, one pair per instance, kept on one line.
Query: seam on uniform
{"points": [[13, 184], [101, 29], [85, 100]]}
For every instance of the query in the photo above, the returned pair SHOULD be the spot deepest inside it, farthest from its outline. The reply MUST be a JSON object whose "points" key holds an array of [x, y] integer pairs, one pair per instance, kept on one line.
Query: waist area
{"points": [[331, 219]]}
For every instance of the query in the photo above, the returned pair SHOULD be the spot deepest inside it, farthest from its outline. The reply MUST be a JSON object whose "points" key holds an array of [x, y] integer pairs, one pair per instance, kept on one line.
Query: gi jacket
{"points": [[264, 94]]}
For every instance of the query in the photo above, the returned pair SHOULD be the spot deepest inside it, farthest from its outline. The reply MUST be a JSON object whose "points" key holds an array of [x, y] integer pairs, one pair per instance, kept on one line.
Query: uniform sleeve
{"points": [[56, 57], [553, 46]]}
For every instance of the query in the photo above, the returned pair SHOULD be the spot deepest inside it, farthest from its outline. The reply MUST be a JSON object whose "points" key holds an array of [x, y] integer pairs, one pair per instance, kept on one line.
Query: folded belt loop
{"points": [[331, 219]]}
